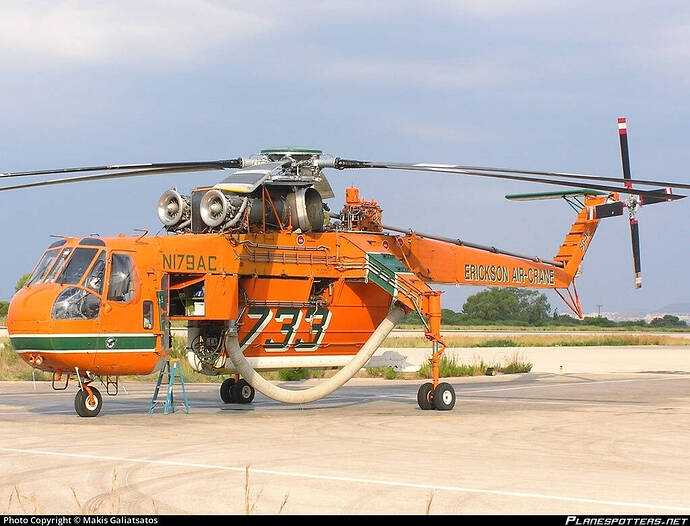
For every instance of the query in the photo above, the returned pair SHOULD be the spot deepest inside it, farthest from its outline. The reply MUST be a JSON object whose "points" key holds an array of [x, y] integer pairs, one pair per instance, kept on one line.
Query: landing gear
{"points": [[444, 397], [425, 396], [242, 392], [436, 395], [236, 392], [226, 390], [88, 402]]}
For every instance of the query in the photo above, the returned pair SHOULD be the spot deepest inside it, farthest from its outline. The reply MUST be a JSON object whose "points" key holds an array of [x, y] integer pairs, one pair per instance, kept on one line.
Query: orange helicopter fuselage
{"points": [[105, 305]]}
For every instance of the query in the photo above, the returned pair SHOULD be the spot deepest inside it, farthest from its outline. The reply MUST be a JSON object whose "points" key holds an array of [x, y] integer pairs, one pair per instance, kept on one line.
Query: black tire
{"points": [[425, 396], [226, 390], [82, 404], [242, 392], [444, 397]]}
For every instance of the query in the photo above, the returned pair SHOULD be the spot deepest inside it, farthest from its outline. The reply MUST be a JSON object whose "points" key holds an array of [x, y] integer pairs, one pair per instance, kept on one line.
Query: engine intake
{"points": [[174, 210]]}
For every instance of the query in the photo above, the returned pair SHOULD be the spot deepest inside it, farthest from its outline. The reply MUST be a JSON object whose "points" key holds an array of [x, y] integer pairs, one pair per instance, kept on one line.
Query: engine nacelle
{"points": [[219, 210], [174, 210]]}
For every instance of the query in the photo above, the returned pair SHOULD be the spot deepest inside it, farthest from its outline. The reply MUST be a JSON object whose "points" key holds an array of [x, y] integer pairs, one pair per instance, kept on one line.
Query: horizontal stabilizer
{"points": [[553, 195]]}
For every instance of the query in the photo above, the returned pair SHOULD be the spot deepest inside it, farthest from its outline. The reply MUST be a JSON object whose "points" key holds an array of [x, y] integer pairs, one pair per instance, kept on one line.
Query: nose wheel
{"points": [[88, 402]]}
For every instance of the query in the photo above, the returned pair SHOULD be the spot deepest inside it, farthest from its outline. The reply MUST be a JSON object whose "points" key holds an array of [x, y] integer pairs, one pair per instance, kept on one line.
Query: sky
{"points": [[529, 84]]}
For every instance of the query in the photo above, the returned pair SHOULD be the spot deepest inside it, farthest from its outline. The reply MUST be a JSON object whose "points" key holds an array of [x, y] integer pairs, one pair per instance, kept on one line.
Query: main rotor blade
{"points": [[446, 169], [227, 163], [585, 177], [98, 177]]}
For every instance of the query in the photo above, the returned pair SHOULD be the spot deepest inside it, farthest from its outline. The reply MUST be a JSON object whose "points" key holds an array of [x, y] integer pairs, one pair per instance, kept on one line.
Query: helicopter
{"points": [[266, 277]]}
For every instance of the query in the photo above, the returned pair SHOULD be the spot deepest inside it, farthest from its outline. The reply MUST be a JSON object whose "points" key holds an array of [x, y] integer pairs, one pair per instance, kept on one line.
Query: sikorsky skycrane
{"points": [[266, 278]]}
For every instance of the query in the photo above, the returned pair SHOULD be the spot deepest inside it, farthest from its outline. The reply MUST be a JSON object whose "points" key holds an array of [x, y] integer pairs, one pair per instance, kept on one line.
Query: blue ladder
{"points": [[173, 369]]}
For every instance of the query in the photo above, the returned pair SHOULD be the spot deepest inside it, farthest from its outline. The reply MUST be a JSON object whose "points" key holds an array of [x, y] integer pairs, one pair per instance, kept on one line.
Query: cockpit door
{"points": [[163, 302], [127, 318]]}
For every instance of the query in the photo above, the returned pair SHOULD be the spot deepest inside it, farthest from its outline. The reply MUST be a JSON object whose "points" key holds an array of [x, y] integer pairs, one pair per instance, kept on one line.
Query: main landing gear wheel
{"points": [[425, 396], [226, 390], [83, 405], [242, 392], [444, 397]]}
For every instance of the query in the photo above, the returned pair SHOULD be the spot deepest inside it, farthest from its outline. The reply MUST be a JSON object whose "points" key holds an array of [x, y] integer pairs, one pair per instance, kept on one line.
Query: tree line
{"points": [[504, 306], [524, 307]]}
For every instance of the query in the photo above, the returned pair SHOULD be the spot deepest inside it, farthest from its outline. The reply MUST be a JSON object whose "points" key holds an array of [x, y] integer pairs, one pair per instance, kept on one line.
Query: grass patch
{"points": [[515, 364], [449, 367], [12, 367], [540, 340], [389, 373], [505, 342], [294, 375]]}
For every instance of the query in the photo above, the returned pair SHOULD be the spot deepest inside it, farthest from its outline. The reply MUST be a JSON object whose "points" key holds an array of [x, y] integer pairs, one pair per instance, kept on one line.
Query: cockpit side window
{"points": [[58, 265], [74, 303], [77, 265], [42, 267], [96, 277], [120, 284]]}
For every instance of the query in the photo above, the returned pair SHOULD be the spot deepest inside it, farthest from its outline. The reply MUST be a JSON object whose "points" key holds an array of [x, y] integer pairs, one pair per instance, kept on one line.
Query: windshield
{"points": [[58, 264], [42, 267], [77, 265], [94, 279]]}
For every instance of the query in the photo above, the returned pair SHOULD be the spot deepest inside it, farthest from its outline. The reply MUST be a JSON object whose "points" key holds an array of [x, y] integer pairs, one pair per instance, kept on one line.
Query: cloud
{"points": [[84, 32], [447, 73], [434, 132]]}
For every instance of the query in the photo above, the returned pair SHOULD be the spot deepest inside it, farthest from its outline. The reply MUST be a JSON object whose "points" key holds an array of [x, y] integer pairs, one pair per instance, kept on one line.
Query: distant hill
{"points": [[648, 317], [674, 308]]}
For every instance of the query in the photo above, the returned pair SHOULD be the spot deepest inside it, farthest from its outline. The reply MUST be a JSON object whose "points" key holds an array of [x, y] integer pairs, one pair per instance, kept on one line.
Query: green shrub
{"points": [[449, 367], [294, 375], [501, 342]]}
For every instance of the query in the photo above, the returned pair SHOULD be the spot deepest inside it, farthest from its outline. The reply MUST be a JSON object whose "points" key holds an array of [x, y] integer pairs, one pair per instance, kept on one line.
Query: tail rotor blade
{"points": [[634, 202], [625, 155], [635, 238]]}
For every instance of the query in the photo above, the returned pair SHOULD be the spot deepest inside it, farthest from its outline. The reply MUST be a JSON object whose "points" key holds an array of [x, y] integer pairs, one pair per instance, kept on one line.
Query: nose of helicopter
{"points": [[30, 307]]}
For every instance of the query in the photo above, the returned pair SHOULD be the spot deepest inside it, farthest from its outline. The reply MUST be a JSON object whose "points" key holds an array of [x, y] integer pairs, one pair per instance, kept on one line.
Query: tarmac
{"points": [[608, 435]]}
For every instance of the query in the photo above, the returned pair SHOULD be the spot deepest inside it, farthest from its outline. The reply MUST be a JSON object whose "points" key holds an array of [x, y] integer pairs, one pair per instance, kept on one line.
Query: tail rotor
{"points": [[634, 202]]}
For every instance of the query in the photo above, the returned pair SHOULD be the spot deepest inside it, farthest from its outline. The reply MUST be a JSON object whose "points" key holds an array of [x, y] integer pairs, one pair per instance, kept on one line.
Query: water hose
{"points": [[327, 386]]}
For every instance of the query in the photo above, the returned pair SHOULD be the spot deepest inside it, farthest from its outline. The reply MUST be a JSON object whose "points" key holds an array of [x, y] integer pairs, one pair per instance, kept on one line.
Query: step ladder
{"points": [[173, 368]]}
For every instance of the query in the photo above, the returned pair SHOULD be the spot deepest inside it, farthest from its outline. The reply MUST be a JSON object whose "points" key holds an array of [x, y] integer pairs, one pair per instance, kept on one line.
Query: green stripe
{"points": [[553, 195], [82, 343]]}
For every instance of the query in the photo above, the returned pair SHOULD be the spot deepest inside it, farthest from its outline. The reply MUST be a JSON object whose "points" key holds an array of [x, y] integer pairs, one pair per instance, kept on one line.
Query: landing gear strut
{"points": [[436, 395]]}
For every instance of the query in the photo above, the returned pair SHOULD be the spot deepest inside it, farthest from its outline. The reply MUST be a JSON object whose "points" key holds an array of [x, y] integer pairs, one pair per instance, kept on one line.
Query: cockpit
{"points": [[81, 267]]}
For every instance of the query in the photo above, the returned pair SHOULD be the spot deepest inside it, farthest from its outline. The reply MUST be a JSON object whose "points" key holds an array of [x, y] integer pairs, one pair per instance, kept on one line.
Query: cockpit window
{"points": [[96, 276], [42, 267], [121, 286], [92, 242], [77, 265], [58, 265], [74, 303]]}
